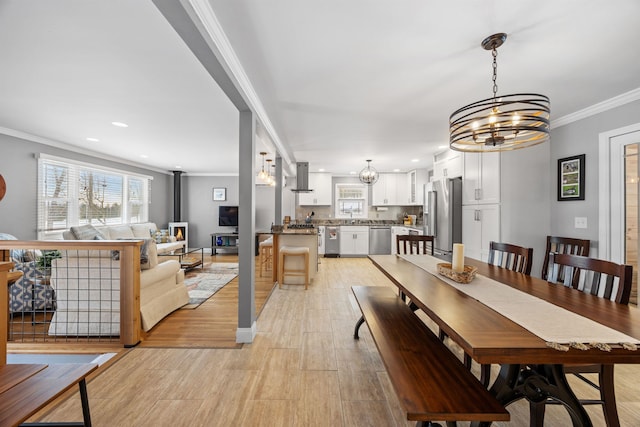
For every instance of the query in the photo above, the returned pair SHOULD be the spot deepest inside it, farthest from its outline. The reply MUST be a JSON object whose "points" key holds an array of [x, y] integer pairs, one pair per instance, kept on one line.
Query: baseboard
{"points": [[246, 335]]}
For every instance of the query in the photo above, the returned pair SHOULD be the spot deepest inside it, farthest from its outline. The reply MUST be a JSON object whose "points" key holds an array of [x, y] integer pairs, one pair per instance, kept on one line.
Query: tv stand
{"points": [[224, 243]]}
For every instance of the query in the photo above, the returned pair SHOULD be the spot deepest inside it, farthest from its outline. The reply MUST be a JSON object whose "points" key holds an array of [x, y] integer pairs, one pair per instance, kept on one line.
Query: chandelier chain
{"points": [[494, 53]]}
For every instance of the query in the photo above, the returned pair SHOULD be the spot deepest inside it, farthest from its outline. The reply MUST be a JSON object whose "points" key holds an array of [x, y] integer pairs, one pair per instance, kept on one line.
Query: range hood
{"points": [[302, 178]]}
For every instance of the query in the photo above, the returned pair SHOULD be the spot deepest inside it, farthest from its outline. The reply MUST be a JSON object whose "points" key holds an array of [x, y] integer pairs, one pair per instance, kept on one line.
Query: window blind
{"points": [[75, 193]]}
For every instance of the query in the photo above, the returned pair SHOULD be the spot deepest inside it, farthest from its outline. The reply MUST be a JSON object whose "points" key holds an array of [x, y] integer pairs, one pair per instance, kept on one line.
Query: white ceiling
{"points": [[341, 81]]}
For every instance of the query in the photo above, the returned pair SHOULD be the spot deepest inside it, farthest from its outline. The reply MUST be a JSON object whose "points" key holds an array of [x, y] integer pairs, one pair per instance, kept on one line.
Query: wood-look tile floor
{"points": [[303, 369]]}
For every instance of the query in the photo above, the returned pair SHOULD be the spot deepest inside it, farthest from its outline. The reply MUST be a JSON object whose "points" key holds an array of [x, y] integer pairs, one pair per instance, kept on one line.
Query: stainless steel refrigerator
{"points": [[443, 213]]}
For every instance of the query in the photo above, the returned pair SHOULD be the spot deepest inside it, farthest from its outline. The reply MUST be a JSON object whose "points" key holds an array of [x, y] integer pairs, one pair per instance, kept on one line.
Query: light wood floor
{"points": [[304, 369]]}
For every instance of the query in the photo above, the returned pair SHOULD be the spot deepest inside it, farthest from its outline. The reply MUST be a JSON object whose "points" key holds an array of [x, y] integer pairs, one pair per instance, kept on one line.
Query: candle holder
{"points": [[466, 276]]}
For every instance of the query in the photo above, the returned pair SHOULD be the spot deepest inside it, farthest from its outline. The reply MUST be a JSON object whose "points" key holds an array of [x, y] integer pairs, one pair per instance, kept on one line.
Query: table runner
{"points": [[556, 325]]}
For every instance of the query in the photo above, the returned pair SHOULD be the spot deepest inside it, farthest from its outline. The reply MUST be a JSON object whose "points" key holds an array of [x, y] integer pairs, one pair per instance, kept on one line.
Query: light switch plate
{"points": [[580, 222]]}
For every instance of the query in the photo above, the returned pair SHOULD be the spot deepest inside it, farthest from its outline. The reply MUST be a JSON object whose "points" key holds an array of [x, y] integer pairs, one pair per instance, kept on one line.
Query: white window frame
{"points": [[73, 197], [362, 201]]}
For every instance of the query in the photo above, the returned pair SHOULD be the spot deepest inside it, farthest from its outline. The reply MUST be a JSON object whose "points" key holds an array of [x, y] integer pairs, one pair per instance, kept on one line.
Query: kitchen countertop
{"points": [[303, 231]]}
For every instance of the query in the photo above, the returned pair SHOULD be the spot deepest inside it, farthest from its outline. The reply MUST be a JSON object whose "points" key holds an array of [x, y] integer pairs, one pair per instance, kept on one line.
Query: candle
{"points": [[457, 262]]}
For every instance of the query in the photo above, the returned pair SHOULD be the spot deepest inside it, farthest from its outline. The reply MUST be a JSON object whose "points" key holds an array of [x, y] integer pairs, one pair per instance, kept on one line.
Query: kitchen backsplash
{"points": [[394, 214]]}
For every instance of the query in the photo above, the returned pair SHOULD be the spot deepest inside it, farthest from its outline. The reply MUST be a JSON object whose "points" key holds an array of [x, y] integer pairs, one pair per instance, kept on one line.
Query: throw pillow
{"points": [[85, 232], [144, 254]]}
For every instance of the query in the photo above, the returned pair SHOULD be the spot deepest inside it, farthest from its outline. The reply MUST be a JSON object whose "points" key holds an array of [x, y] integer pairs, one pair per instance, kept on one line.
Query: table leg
{"points": [[84, 399], [537, 383]]}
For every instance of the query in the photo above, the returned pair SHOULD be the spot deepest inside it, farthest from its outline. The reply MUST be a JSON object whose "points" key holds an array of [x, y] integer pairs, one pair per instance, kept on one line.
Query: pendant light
{"points": [[269, 180], [500, 123], [262, 175], [368, 175]]}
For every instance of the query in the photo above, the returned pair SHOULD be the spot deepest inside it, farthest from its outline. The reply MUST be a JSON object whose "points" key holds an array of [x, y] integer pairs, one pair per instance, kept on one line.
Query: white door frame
{"points": [[611, 236]]}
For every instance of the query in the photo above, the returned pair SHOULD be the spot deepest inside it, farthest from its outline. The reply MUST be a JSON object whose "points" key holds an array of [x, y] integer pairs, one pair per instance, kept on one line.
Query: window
{"points": [[351, 201], [75, 193]]}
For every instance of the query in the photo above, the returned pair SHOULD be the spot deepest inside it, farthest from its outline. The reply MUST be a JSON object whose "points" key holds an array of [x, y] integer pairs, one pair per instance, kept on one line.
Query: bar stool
{"points": [[266, 254], [293, 251]]}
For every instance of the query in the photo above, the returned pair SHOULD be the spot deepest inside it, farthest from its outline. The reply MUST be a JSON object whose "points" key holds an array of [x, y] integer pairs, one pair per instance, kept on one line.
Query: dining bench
{"points": [[431, 383]]}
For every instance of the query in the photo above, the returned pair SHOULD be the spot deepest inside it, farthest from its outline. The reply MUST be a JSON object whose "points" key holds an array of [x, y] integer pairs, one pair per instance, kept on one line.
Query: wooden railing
{"points": [[4, 296], [130, 324]]}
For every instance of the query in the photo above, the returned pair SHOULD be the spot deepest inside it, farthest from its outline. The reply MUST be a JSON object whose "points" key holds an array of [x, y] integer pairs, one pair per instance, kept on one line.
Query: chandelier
{"points": [[500, 123], [368, 175]]}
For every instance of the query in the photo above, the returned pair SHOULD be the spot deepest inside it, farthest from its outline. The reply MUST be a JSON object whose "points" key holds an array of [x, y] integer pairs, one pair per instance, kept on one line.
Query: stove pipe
{"points": [[177, 198]]}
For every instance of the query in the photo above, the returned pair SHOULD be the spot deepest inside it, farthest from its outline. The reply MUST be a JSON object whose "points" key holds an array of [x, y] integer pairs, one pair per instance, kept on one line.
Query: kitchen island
{"points": [[304, 237]]}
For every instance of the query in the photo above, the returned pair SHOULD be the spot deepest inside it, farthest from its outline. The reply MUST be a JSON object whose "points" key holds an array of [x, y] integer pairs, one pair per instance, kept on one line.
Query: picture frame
{"points": [[219, 194], [571, 174]]}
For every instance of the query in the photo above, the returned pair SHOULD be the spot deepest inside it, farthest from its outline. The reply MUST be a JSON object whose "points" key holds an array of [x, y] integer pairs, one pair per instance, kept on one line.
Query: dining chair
{"points": [[511, 257], [415, 242], [563, 245], [604, 279]]}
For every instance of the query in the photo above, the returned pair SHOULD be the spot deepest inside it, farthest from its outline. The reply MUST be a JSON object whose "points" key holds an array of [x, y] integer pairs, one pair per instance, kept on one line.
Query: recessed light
{"points": [[144, 156], [415, 160], [120, 124], [442, 147], [396, 170], [353, 172], [178, 167], [321, 170], [93, 139]]}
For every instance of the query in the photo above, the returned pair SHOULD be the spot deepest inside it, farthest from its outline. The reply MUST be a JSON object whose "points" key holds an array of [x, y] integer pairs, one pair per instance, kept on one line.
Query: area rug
{"points": [[202, 284]]}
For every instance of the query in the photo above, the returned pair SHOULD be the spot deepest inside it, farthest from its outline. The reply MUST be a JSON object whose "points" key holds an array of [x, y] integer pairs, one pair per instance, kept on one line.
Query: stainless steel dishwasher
{"points": [[379, 240]]}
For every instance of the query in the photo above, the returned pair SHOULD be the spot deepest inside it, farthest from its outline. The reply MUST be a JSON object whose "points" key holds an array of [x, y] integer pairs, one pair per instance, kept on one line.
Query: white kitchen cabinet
{"points": [[417, 179], [391, 189], [447, 165], [480, 225], [354, 240], [481, 178], [321, 194]]}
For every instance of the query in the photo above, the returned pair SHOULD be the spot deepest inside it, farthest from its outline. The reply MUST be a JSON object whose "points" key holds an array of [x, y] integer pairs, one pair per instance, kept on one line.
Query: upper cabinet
{"points": [[447, 165], [320, 183], [417, 178], [481, 178], [390, 190]]}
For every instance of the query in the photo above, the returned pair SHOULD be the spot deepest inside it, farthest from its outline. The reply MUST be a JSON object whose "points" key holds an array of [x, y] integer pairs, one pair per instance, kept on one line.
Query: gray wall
{"points": [[19, 167], [582, 137], [201, 212], [524, 210]]}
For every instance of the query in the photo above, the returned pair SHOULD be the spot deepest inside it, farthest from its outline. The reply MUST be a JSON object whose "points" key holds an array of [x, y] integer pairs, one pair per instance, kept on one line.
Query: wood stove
{"points": [[181, 231]]}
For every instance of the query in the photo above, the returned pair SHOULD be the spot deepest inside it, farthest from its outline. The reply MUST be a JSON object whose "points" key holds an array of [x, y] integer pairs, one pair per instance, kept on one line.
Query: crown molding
{"points": [[598, 108], [207, 16], [77, 149]]}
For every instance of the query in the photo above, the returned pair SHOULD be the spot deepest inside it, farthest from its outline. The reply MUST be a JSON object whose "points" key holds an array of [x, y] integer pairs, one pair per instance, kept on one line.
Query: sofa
{"points": [[87, 283]]}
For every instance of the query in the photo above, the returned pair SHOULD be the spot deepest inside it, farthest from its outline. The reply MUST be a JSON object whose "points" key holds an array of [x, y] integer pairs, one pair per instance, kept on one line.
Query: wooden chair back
{"points": [[598, 277], [563, 245], [511, 257], [412, 243]]}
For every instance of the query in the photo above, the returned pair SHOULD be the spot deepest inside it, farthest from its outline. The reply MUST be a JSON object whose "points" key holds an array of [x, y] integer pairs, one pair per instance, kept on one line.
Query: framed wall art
{"points": [[219, 194], [571, 175]]}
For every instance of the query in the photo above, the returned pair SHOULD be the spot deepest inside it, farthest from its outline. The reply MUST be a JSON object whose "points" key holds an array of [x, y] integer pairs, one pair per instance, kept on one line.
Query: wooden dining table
{"points": [[530, 369]]}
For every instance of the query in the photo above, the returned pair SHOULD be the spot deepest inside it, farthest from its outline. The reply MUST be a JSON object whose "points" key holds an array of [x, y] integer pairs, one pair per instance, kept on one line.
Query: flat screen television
{"points": [[228, 216]]}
